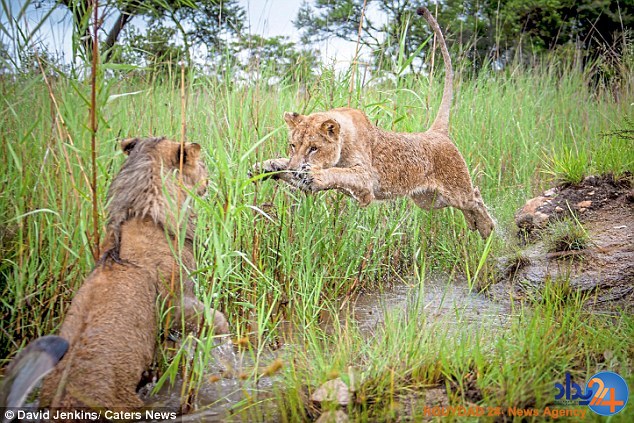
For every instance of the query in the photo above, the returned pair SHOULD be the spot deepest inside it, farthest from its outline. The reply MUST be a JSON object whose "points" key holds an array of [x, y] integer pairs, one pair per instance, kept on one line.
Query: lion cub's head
{"points": [[148, 184], [162, 156], [314, 141]]}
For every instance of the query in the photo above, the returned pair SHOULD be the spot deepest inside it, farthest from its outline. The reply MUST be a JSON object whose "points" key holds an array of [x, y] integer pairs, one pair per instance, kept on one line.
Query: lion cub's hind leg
{"points": [[433, 200], [474, 210], [429, 200], [469, 203], [483, 220]]}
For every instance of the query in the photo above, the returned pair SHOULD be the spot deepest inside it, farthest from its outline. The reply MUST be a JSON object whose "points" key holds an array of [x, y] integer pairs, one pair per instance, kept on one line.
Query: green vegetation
{"points": [[565, 235], [272, 258], [511, 366], [477, 31]]}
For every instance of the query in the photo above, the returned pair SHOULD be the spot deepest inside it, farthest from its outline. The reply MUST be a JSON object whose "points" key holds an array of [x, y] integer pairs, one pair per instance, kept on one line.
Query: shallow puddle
{"points": [[450, 304], [224, 389]]}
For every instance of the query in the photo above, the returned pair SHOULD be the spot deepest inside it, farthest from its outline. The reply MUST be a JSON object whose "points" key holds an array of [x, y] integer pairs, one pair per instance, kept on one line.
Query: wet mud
{"points": [[441, 301]]}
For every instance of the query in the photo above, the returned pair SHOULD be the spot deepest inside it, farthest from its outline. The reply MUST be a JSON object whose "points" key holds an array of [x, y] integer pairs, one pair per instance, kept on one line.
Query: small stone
{"points": [[540, 219], [583, 209], [333, 417], [591, 180], [533, 204], [528, 217], [559, 209], [591, 193], [334, 390], [549, 193], [584, 204], [353, 378]]}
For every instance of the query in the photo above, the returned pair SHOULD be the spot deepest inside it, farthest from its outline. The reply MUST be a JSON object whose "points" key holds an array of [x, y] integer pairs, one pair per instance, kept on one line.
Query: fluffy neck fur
{"points": [[140, 190]]}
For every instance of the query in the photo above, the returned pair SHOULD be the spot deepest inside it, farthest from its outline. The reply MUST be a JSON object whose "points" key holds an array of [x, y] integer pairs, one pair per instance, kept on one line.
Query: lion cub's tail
{"points": [[28, 368], [441, 123]]}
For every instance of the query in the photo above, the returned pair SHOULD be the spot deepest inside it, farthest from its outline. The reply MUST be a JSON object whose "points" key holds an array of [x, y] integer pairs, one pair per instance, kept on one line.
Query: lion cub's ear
{"points": [[128, 145], [330, 128], [292, 119], [192, 153]]}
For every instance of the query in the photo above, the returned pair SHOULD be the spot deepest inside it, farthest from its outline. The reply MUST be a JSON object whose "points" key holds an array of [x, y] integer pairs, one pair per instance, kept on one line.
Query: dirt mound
{"points": [[601, 210], [593, 193]]}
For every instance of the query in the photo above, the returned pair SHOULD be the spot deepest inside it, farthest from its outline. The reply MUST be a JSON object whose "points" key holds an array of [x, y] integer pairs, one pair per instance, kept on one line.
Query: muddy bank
{"points": [[602, 209]]}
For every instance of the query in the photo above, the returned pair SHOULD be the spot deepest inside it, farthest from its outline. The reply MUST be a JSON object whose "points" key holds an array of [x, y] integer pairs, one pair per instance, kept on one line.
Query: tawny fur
{"points": [[137, 191], [111, 323], [341, 149]]}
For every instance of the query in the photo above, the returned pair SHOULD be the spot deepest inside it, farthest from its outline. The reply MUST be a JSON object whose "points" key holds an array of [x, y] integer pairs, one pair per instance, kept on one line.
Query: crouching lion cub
{"points": [[110, 326], [341, 149]]}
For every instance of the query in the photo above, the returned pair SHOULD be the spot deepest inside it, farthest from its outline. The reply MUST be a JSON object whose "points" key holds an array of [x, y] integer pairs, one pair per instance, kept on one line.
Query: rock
{"points": [[584, 204], [559, 209], [529, 218], [550, 192], [333, 417], [540, 219], [533, 204], [334, 390]]}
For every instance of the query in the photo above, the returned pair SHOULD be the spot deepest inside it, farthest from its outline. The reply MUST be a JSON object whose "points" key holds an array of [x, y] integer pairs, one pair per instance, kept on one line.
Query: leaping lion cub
{"points": [[341, 149]]}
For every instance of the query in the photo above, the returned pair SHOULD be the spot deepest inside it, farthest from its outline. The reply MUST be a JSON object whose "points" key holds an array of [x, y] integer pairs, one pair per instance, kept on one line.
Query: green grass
{"points": [[565, 235], [268, 255]]}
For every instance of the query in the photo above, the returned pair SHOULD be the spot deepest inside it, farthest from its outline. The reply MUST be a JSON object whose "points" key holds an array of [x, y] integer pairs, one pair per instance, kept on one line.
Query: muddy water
{"points": [[437, 300], [450, 304], [224, 390]]}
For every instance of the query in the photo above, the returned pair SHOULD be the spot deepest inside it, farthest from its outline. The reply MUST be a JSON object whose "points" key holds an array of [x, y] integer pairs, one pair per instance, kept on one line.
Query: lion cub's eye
{"points": [[312, 150]]}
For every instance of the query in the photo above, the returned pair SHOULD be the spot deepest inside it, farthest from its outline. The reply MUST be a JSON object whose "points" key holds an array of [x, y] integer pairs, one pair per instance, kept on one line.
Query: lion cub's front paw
{"points": [[275, 165], [313, 180], [269, 166]]}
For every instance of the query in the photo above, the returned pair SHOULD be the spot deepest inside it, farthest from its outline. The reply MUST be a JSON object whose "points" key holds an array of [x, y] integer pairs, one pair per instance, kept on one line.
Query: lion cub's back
{"points": [[111, 327]]}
